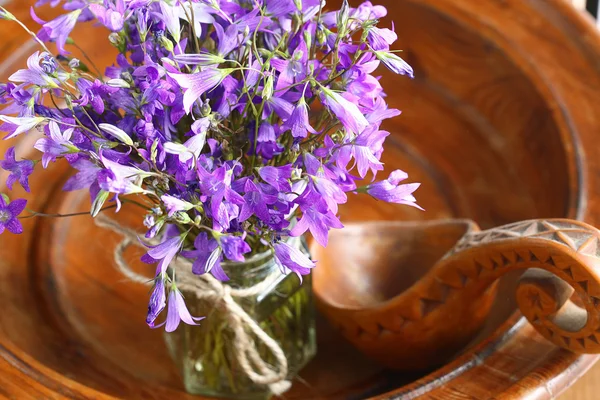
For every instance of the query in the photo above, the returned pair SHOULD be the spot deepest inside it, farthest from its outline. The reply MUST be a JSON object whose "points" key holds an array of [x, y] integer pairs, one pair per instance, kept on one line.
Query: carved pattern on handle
{"points": [[429, 322], [561, 256]]}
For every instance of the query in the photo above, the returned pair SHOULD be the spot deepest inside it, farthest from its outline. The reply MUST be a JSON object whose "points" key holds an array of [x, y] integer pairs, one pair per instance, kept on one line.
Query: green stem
{"points": [[38, 214], [88, 58], [37, 39]]}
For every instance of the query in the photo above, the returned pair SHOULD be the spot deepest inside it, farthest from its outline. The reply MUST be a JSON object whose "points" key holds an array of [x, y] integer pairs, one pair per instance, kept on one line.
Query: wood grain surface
{"points": [[588, 386], [499, 125]]}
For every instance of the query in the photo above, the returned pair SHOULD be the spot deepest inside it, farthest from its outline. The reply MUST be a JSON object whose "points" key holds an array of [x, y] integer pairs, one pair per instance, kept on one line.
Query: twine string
{"points": [[205, 287]]}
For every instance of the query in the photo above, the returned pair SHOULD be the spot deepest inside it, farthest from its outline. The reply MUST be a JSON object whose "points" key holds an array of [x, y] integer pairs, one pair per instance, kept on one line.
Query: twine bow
{"points": [[206, 287]]}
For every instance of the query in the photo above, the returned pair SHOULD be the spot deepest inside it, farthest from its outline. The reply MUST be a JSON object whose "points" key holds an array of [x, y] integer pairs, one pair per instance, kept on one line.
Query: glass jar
{"points": [[285, 311]]}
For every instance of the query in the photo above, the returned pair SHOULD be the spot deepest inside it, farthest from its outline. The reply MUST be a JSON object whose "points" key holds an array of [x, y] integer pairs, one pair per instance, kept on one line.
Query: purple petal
{"points": [[173, 318], [184, 313], [17, 207], [218, 273], [14, 226]]}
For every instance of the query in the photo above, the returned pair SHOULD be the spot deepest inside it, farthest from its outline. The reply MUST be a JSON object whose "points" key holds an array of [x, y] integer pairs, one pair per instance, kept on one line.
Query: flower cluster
{"points": [[234, 123]]}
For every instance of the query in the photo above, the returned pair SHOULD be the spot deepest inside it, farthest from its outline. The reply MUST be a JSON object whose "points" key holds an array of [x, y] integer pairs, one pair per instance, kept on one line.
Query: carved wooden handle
{"points": [[562, 257], [441, 312]]}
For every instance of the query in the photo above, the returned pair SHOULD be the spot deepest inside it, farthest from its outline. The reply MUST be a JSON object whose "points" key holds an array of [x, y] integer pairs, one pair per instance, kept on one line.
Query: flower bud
{"points": [[296, 174], [142, 23], [118, 83], [297, 22], [166, 60], [395, 63], [118, 41], [267, 92], [166, 43], [117, 133], [308, 39], [149, 221], [205, 110], [321, 38], [342, 18], [115, 39], [98, 202], [183, 218], [126, 76], [6, 15], [157, 211], [49, 65], [154, 151], [74, 63]]}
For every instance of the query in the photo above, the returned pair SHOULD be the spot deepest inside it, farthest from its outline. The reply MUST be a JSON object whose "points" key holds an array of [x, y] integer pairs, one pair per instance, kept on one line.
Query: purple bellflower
{"points": [[298, 122], [120, 179], [113, 16], [234, 247], [256, 203], [19, 170], [57, 144], [40, 70], [164, 253], [9, 213], [86, 176], [17, 125], [237, 125], [278, 177], [391, 191], [174, 205], [291, 259], [347, 112], [207, 256], [381, 38], [59, 29], [316, 217], [176, 312], [158, 300], [195, 85], [395, 63]]}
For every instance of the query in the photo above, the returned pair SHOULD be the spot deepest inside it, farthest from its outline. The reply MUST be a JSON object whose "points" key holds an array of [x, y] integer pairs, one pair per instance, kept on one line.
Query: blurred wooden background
{"points": [[579, 4], [588, 387]]}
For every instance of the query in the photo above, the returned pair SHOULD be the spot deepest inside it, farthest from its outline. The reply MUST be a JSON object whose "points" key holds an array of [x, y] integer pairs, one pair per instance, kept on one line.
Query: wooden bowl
{"points": [[499, 124]]}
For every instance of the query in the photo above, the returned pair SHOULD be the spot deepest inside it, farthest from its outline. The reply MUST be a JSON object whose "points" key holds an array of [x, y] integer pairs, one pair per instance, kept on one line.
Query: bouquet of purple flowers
{"points": [[233, 123]]}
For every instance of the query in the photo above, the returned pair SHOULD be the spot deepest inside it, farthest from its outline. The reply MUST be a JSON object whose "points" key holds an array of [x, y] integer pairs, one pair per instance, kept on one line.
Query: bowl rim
{"points": [[586, 178]]}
